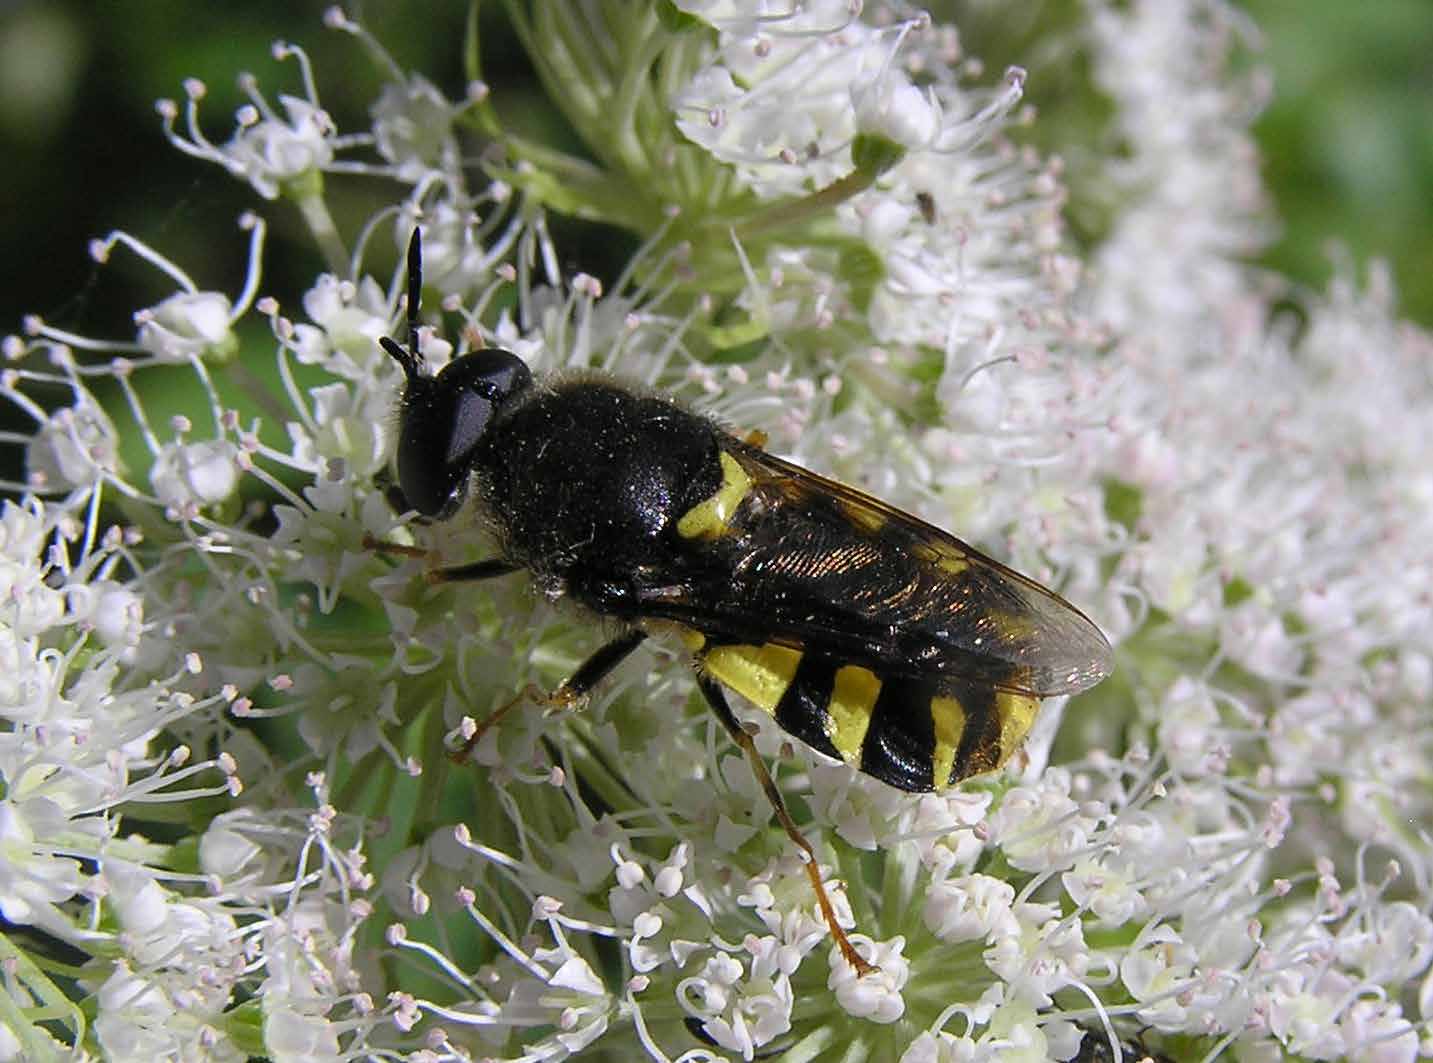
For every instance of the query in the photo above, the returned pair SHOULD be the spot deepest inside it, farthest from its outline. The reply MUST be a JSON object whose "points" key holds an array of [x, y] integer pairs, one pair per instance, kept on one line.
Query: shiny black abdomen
{"points": [[585, 481]]}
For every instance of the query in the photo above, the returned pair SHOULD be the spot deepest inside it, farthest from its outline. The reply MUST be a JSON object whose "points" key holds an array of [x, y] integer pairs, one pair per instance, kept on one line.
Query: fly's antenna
{"points": [[410, 359], [415, 286]]}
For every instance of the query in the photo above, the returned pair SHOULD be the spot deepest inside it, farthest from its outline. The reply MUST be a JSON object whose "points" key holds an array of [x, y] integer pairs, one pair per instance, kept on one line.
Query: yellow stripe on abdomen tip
{"points": [[1017, 716], [709, 518], [760, 674], [949, 720], [848, 716]]}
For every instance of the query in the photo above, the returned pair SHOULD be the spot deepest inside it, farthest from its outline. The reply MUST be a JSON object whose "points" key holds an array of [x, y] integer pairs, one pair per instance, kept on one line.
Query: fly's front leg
{"points": [[489, 569], [477, 570], [716, 698], [568, 694]]}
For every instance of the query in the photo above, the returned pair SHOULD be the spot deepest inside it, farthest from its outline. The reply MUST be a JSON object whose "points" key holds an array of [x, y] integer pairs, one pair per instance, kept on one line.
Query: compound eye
{"points": [[444, 420], [440, 430]]}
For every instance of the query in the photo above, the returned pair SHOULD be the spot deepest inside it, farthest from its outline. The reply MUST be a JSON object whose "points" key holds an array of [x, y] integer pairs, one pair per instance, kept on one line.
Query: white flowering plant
{"points": [[230, 824]]}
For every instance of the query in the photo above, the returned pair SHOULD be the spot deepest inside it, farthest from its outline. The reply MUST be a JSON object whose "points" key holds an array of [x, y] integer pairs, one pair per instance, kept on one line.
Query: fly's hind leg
{"points": [[716, 698], [568, 694]]}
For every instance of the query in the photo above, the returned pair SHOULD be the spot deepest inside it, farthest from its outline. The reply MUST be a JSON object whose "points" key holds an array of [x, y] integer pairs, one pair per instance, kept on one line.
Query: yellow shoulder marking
{"points": [[709, 518], [760, 674], [848, 717]]}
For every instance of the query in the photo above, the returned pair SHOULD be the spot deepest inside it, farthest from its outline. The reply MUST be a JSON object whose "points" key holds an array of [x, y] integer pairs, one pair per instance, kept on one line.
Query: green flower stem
{"points": [[811, 1047], [577, 75], [632, 92], [434, 757], [898, 890], [307, 195], [615, 793], [791, 212], [257, 390], [850, 865], [372, 774]]}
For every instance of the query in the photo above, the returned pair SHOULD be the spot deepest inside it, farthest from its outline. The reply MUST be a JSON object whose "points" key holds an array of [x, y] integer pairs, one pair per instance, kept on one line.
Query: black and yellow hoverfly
{"points": [[870, 635]]}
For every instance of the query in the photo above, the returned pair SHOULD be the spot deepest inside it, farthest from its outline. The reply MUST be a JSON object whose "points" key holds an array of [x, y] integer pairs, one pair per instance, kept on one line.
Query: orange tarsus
{"points": [[813, 871]]}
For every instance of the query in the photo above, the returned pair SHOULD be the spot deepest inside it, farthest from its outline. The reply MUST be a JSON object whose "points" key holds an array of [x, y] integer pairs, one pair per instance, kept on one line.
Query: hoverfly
{"points": [[873, 637]]}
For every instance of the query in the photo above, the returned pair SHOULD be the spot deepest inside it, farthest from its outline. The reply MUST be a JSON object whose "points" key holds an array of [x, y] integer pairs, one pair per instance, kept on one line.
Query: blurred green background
{"points": [[1347, 142], [1348, 138]]}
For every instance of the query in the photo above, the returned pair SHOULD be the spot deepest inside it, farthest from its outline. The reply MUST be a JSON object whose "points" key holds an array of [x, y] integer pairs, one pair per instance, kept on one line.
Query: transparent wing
{"points": [[813, 563]]}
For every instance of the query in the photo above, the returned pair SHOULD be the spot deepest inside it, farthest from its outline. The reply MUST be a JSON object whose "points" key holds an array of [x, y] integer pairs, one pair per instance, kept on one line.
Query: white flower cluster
{"points": [[1224, 849], [98, 736]]}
